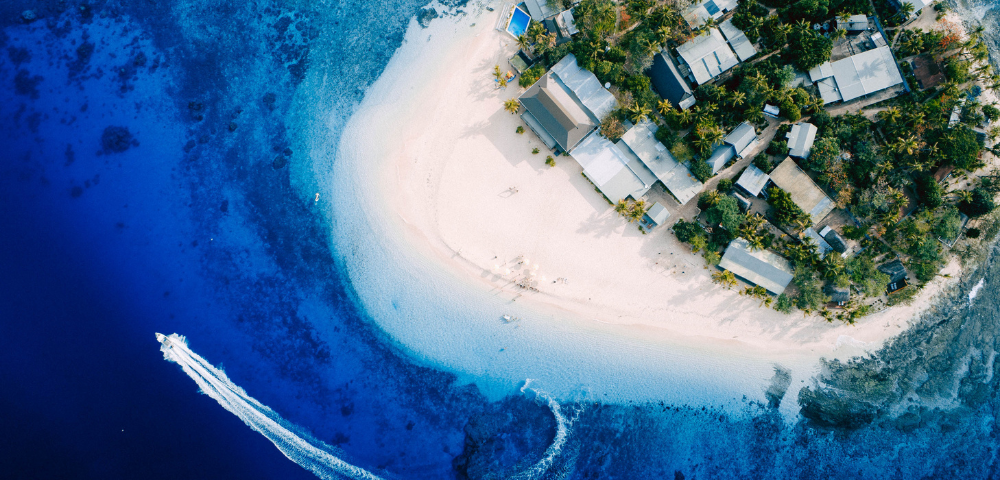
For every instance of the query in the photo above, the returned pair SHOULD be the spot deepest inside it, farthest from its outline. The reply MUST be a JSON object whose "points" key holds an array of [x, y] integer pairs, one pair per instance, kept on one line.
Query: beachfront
{"points": [[454, 199]]}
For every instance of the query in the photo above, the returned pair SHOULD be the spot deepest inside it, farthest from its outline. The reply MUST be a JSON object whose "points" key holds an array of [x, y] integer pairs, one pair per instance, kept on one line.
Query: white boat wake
{"points": [[562, 433], [975, 290], [309, 453]]}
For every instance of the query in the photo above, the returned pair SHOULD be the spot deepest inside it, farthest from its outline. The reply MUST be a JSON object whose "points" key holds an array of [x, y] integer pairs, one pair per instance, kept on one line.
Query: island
{"points": [[829, 156]]}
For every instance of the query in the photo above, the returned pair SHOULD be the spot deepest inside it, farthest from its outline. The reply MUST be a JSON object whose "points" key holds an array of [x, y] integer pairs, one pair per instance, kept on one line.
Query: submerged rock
{"points": [[425, 16], [28, 16], [117, 139]]}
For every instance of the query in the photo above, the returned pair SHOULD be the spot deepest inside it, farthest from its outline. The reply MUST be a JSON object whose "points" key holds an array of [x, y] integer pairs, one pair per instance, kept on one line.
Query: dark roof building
{"points": [[927, 71], [669, 83], [834, 239], [897, 275], [838, 295], [759, 267]]}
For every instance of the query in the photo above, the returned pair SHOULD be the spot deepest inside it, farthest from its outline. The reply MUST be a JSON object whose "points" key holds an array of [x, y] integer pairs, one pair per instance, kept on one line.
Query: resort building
{"points": [[853, 23], [738, 40], [822, 247], [640, 141], [669, 83], [615, 173], [800, 139], [740, 142], [918, 5], [839, 296], [655, 216], [856, 76], [565, 105], [758, 267], [803, 191], [752, 181], [702, 11], [836, 242], [707, 56], [542, 9], [897, 275]]}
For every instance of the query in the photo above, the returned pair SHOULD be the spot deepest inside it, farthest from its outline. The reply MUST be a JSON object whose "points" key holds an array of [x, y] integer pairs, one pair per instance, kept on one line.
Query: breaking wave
{"points": [[563, 425], [975, 290], [309, 453]]}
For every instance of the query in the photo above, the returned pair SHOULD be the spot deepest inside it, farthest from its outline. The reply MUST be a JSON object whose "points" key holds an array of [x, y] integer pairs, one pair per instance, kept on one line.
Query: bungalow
{"points": [[669, 83], [804, 192], [856, 76], [897, 275], [566, 104], [615, 174], [541, 9], [839, 296], [822, 247], [655, 216], [739, 143], [927, 71], [738, 40], [800, 139], [707, 56], [834, 239], [758, 267], [752, 181]]}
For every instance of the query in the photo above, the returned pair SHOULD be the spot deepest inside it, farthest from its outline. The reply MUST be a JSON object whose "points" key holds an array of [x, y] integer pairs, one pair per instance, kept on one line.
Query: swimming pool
{"points": [[518, 22]]}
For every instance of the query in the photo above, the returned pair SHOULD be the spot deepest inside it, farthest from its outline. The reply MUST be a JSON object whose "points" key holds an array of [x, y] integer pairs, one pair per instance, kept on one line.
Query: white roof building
{"points": [[738, 40], [753, 180], [856, 76], [918, 5], [612, 172], [697, 14], [540, 9], [800, 139], [854, 23], [707, 56], [655, 216], [759, 267], [641, 142]]}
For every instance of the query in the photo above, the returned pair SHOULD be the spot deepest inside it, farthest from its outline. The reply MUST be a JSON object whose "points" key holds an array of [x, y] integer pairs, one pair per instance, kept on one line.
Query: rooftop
{"points": [[605, 165], [743, 138], [759, 267], [708, 56], [927, 71], [676, 177], [854, 23], [697, 14], [738, 40], [753, 180], [804, 192], [669, 83], [822, 247], [865, 73], [800, 139], [834, 239], [895, 270]]}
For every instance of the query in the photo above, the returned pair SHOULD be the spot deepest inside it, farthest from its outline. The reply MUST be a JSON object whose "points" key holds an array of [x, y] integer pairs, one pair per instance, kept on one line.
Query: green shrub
{"points": [[784, 304], [531, 75], [550, 161], [519, 129], [763, 162], [534, 151], [972, 233], [700, 169], [686, 231], [980, 204], [725, 185]]}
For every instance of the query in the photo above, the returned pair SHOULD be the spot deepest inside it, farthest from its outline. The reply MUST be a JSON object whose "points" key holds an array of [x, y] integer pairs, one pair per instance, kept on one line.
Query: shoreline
{"points": [[432, 235]]}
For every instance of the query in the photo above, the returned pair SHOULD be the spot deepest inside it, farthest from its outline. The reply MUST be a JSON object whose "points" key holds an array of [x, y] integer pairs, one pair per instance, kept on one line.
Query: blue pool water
{"points": [[147, 185], [518, 22]]}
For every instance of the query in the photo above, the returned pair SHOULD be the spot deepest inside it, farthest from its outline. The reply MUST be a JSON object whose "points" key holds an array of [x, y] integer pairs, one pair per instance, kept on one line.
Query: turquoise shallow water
{"points": [[148, 184]]}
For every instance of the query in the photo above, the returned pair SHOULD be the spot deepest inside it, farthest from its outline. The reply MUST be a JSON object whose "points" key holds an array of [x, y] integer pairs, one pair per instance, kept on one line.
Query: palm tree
{"points": [[665, 108], [905, 10], [621, 208], [963, 196], [637, 112], [724, 278], [497, 74], [838, 34], [512, 105], [737, 98], [890, 115], [523, 43], [756, 242]]}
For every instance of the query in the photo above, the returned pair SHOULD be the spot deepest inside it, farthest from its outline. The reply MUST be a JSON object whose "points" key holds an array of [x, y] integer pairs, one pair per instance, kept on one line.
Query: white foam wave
{"points": [[975, 290], [309, 453], [563, 425]]}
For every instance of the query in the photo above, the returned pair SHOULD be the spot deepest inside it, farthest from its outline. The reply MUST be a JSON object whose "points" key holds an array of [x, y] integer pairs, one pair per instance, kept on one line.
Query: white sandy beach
{"points": [[428, 227]]}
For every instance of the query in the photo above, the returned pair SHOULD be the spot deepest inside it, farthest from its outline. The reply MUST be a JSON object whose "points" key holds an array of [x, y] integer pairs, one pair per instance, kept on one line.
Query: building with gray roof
{"points": [[853, 23], [817, 240], [800, 139], [641, 141], [738, 40], [759, 267], [655, 216], [856, 76], [897, 275], [737, 144], [707, 56], [542, 9], [803, 191], [613, 172], [838, 295], [752, 181], [566, 104], [669, 83]]}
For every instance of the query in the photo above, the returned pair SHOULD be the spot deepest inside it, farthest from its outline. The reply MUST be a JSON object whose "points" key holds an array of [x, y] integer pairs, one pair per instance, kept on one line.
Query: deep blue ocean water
{"points": [[146, 186]]}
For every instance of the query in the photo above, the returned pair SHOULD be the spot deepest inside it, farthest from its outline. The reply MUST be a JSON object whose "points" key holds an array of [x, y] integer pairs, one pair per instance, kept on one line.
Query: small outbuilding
{"points": [[752, 181], [853, 23], [801, 139], [839, 296], [834, 239], [655, 216]]}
